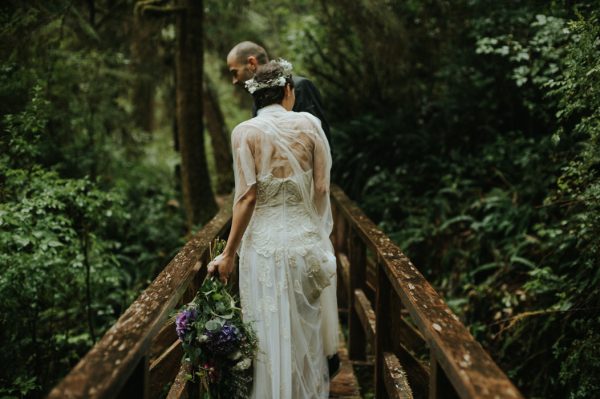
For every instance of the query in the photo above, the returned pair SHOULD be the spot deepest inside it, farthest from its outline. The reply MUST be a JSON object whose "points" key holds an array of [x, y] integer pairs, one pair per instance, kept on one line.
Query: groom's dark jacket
{"points": [[308, 99]]}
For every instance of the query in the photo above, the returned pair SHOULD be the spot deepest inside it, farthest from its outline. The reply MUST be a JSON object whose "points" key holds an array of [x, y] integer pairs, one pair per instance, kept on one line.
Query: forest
{"points": [[468, 130]]}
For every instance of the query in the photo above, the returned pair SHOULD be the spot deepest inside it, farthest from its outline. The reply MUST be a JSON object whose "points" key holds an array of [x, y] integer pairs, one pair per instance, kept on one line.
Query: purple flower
{"points": [[225, 340], [183, 323]]}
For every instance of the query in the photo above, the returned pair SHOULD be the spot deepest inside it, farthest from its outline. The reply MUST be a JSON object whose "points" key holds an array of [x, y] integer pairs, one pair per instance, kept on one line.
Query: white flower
{"points": [[202, 338], [251, 85], [285, 65], [236, 355], [243, 365]]}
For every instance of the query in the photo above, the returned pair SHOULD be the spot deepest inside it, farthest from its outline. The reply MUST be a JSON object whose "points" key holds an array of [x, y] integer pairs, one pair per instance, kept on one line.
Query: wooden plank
{"points": [[343, 282], [163, 339], [108, 365], [467, 365], [165, 368], [181, 387], [395, 379], [344, 268], [344, 385], [365, 314]]}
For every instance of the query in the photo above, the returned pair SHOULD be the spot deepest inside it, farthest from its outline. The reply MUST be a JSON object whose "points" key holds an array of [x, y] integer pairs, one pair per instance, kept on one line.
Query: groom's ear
{"points": [[252, 61]]}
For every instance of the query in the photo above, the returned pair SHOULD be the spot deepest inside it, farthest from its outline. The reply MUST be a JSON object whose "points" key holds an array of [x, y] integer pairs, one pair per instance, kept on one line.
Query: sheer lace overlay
{"points": [[287, 266]]}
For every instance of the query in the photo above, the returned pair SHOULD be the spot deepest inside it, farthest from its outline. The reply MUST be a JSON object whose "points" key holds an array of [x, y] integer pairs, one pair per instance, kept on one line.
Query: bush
{"points": [[87, 220], [488, 177]]}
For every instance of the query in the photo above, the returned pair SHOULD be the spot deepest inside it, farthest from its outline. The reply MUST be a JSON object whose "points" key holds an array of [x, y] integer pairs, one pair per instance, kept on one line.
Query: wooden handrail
{"points": [[140, 354], [119, 364], [458, 365]]}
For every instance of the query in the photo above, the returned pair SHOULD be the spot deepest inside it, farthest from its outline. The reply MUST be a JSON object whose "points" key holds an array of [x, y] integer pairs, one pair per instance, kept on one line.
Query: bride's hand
{"points": [[223, 264]]}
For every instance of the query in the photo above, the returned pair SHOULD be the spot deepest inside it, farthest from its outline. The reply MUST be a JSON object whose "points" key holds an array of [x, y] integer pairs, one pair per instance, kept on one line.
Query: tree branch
{"points": [[155, 8]]}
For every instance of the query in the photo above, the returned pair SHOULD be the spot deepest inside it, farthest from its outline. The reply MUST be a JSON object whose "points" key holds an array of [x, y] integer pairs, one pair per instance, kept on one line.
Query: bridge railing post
{"points": [[357, 343]]}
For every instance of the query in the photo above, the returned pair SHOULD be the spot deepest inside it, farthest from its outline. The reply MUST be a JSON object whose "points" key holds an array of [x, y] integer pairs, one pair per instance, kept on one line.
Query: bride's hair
{"points": [[270, 72]]}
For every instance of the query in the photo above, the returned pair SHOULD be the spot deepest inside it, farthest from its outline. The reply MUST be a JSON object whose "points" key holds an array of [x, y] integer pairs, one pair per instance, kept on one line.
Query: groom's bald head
{"points": [[241, 51], [243, 60]]}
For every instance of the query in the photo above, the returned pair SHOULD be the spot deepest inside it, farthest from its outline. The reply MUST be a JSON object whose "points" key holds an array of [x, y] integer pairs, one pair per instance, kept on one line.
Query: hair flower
{"points": [[252, 85]]}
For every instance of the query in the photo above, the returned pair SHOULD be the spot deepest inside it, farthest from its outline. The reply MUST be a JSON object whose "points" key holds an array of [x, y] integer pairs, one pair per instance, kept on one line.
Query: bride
{"points": [[280, 229]]}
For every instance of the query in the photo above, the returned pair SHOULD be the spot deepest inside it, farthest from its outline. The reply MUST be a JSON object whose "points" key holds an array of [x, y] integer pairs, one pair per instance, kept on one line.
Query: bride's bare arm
{"points": [[242, 212]]}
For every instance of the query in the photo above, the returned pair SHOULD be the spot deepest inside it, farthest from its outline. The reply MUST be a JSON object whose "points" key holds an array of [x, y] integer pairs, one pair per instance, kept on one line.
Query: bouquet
{"points": [[215, 340]]}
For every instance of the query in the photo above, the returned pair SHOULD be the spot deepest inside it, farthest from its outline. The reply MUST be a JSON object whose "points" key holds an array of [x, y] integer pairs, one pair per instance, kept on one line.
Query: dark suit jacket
{"points": [[308, 99]]}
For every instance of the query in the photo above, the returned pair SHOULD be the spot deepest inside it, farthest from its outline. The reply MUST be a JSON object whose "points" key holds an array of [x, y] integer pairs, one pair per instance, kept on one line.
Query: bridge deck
{"points": [[344, 385]]}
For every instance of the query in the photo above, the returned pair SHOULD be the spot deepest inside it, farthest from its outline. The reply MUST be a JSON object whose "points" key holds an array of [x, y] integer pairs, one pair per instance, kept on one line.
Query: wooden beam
{"points": [[344, 268], [163, 339], [181, 387], [366, 315], [395, 379], [343, 283], [165, 368]]}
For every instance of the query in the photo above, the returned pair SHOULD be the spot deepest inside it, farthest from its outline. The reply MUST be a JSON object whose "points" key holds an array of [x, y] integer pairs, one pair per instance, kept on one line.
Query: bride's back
{"points": [[287, 156], [283, 143], [278, 144]]}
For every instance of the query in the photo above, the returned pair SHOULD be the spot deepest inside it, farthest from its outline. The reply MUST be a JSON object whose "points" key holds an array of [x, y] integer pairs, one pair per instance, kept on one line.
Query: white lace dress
{"points": [[287, 267]]}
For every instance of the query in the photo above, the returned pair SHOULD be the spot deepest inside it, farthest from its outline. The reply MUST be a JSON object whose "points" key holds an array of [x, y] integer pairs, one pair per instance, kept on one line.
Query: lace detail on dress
{"points": [[282, 232], [281, 220]]}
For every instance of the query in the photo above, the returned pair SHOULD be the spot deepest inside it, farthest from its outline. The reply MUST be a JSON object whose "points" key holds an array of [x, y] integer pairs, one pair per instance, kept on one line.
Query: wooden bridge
{"points": [[396, 322]]}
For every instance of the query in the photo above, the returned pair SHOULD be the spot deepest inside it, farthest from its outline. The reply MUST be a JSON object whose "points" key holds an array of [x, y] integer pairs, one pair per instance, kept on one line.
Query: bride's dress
{"points": [[287, 266]]}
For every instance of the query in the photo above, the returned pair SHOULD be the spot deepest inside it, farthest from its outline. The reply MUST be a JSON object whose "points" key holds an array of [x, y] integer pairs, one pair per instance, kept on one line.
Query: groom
{"points": [[243, 61]]}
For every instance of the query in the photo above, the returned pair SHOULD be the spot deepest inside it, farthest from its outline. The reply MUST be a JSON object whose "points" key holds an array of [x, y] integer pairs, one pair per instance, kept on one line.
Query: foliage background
{"points": [[469, 130], [476, 149], [89, 211]]}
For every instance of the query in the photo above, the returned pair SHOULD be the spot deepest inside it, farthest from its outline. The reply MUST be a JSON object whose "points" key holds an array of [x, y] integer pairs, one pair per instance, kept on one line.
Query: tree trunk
{"points": [[143, 54], [197, 193], [219, 137]]}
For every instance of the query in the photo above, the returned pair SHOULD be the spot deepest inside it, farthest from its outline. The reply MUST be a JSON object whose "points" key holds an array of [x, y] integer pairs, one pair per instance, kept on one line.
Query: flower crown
{"points": [[252, 85]]}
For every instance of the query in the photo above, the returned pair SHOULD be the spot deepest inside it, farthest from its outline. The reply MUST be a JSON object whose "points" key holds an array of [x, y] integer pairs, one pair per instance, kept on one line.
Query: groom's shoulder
{"points": [[302, 82]]}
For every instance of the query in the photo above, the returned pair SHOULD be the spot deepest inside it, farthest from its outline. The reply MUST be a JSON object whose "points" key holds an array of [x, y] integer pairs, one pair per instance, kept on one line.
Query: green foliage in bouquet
{"points": [[215, 339]]}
